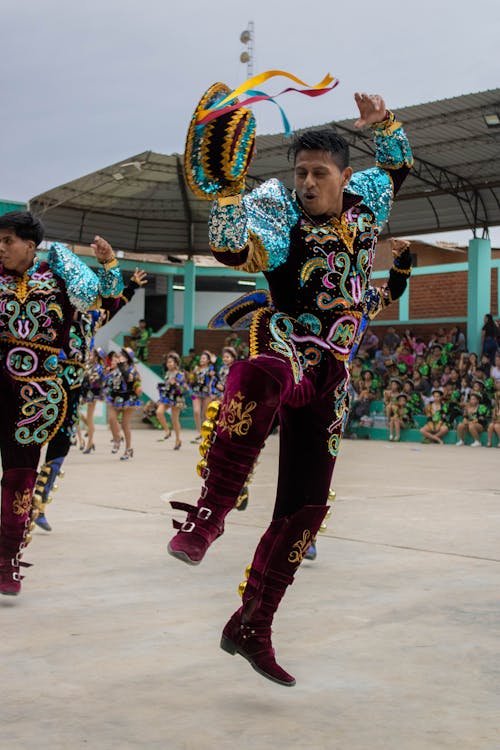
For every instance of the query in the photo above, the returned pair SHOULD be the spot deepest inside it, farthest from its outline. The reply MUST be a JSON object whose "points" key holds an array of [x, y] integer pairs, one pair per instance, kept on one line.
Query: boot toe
{"points": [[193, 558]]}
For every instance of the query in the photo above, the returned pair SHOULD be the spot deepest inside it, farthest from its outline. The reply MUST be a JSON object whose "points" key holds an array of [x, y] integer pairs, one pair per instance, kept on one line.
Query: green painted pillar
{"points": [[170, 301], [404, 304], [478, 290], [189, 306]]}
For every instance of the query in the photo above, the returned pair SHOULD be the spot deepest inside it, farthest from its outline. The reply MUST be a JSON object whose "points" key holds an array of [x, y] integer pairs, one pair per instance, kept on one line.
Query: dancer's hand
{"points": [[398, 246], [102, 250], [140, 277], [371, 109]]}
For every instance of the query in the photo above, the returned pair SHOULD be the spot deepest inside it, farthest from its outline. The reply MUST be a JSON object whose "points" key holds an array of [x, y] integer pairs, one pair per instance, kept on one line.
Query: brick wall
{"points": [[443, 295], [213, 341]]}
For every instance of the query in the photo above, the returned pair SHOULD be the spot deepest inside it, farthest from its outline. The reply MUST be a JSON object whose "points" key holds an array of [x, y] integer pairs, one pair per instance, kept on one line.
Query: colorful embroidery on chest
{"points": [[31, 321], [345, 277]]}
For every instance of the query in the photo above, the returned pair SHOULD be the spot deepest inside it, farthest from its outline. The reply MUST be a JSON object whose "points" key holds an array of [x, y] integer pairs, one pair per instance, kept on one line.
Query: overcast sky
{"points": [[88, 83]]}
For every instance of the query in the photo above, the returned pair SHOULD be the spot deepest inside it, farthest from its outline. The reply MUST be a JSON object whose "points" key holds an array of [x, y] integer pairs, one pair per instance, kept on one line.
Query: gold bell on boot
{"points": [[241, 588], [204, 447], [201, 466], [213, 409], [207, 427]]}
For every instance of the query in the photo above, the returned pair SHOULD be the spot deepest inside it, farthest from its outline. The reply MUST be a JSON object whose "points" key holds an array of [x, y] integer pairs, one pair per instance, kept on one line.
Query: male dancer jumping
{"points": [[316, 248]]}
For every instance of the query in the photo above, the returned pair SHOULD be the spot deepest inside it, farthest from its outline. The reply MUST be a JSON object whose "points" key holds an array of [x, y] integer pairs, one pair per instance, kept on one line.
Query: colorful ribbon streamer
{"points": [[223, 107]]}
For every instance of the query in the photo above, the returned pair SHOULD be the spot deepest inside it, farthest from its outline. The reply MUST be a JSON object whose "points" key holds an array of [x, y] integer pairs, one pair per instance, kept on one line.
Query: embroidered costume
{"points": [[203, 381], [301, 337], [122, 385], [36, 311], [173, 390]]}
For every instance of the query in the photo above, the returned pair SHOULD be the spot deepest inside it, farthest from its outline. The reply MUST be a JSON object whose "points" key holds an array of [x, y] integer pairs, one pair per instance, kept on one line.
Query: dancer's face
{"points": [[16, 254], [320, 183]]}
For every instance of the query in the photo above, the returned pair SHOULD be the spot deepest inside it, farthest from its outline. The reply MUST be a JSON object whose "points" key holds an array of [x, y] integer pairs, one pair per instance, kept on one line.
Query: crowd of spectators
{"points": [[454, 389]]}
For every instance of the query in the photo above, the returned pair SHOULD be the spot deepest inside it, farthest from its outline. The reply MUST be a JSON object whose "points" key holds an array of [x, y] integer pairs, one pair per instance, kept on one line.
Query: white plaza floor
{"points": [[392, 633]]}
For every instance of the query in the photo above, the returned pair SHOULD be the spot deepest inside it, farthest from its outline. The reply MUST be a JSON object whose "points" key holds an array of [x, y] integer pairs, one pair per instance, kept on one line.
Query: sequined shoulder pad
{"points": [[81, 282], [271, 214]]}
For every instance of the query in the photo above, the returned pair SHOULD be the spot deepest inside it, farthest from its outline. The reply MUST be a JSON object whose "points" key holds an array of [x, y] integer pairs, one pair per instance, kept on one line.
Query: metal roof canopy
{"points": [[143, 205]]}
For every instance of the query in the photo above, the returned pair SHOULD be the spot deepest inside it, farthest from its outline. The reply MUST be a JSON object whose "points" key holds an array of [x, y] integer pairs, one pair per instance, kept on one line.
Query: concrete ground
{"points": [[392, 633]]}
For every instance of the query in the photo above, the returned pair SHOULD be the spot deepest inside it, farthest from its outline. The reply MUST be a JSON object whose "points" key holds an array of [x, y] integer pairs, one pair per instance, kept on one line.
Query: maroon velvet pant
{"points": [[19, 471], [311, 415]]}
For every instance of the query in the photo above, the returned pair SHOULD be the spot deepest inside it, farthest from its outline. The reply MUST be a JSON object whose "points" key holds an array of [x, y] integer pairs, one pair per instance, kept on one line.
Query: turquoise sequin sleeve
{"points": [[375, 187], [265, 215], [227, 228], [392, 146], [110, 281], [394, 159], [81, 282]]}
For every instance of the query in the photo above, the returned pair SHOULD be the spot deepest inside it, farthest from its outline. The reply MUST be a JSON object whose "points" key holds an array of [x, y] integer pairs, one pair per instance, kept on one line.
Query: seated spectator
{"points": [[474, 421], [473, 364], [415, 402], [435, 360], [454, 378], [421, 366], [436, 427], [405, 356], [494, 424], [372, 383], [356, 372], [495, 368], [360, 409], [446, 375], [419, 348], [391, 396], [457, 340], [381, 356], [452, 407], [391, 340], [409, 340], [400, 417], [369, 345], [421, 385]]}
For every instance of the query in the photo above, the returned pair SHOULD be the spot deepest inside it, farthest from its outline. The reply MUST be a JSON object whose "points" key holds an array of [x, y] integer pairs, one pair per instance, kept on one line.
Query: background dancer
{"points": [[123, 386], [203, 389], [37, 304], [316, 248], [172, 396]]}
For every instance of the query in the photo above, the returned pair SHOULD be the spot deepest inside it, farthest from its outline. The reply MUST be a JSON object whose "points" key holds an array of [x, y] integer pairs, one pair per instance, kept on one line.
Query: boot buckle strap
{"points": [[204, 513], [187, 526]]}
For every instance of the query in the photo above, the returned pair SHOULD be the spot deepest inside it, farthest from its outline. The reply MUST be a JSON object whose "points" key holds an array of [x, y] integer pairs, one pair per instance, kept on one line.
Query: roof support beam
{"points": [[461, 189]]}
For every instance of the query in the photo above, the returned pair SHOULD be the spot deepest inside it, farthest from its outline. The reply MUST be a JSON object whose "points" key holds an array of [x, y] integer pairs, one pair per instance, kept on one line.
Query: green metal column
{"points": [[478, 290], [404, 304], [189, 306], [170, 301]]}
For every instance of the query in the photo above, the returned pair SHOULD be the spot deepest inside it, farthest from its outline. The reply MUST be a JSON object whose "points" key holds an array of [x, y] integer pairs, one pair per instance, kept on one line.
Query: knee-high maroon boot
{"points": [[246, 416], [277, 557], [17, 490]]}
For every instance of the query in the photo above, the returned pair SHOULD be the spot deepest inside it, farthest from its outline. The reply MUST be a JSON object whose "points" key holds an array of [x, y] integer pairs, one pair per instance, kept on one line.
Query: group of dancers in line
{"points": [[114, 379], [203, 382]]}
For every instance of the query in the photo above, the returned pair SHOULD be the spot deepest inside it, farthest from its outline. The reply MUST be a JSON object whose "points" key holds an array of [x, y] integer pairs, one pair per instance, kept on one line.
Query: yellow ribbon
{"points": [[262, 78]]}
